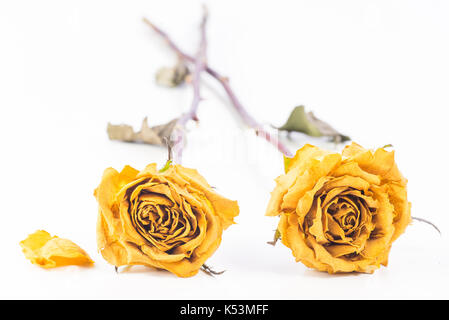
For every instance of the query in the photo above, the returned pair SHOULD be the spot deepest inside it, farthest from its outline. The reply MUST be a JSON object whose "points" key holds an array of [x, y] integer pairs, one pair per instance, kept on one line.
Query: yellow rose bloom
{"points": [[170, 220], [341, 212]]}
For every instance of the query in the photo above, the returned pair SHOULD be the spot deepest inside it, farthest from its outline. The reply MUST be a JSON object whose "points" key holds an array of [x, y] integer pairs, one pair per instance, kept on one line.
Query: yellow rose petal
{"points": [[341, 212], [170, 219], [49, 252]]}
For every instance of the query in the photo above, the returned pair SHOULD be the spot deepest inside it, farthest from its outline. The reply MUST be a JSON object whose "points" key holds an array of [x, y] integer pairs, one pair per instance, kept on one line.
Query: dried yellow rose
{"points": [[341, 212], [170, 220], [49, 252]]}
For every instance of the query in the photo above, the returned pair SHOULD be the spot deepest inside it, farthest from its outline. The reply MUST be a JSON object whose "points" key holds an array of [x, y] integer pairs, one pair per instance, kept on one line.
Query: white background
{"points": [[376, 70]]}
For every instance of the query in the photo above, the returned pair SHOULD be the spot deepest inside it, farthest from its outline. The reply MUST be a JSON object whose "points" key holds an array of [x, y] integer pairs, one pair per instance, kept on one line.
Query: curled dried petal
{"points": [[49, 252]]}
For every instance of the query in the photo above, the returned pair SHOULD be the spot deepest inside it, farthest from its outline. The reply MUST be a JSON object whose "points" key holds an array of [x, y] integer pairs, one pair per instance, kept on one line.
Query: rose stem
{"points": [[428, 222], [224, 81], [200, 65], [199, 61]]}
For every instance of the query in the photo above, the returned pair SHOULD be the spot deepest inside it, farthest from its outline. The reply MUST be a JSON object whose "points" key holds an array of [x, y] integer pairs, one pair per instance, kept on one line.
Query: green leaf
{"points": [[299, 122], [306, 122]]}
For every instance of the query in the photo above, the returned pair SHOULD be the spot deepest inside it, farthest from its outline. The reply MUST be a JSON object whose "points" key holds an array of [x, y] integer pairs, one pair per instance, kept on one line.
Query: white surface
{"points": [[377, 70]]}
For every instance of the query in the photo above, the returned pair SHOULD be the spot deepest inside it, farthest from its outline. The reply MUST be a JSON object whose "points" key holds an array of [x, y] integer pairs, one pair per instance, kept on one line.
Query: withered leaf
{"points": [[172, 76], [276, 237], [306, 122], [157, 135], [211, 272]]}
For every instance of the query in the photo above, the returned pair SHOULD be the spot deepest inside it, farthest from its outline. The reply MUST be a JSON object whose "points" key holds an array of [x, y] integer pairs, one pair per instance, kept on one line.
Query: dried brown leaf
{"points": [[157, 135], [172, 76]]}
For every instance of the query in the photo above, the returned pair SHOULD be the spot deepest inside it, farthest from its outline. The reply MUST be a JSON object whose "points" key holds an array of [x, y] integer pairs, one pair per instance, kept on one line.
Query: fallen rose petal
{"points": [[49, 252]]}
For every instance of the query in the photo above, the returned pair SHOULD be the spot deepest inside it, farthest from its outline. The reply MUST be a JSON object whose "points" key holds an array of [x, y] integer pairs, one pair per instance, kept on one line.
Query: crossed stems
{"points": [[200, 65]]}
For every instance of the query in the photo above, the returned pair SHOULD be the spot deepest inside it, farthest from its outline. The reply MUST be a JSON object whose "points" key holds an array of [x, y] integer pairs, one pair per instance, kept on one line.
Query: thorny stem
{"points": [[246, 117], [199, 66]]}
